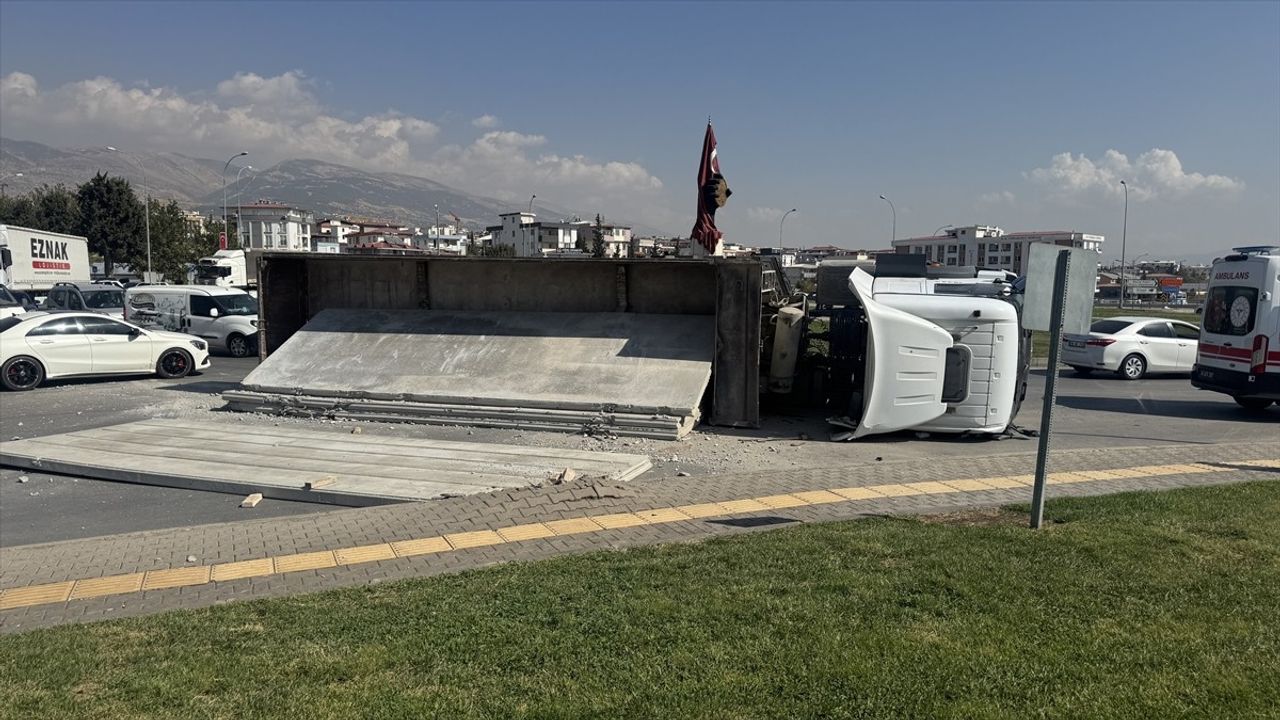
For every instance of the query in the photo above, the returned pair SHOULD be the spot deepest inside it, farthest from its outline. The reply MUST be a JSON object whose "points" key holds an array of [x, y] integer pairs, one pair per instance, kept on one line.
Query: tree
{"points": [[113, 220], [57, 208], [19, 211], [174, 247], [597, 238]]}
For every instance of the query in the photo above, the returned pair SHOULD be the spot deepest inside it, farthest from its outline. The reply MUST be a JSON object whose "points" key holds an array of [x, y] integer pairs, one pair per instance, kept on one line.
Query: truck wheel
{"points": [[1133, 367], [174, 363], [1082, 371], [1252, 403], [238, 345], [22, 373]]}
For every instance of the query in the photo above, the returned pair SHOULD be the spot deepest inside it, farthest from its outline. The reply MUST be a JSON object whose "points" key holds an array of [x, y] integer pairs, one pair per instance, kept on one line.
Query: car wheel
{"points": [[238, 346], [1133, 367], [22, 373], [1082, 371], [174, 363], [1252, 403]]}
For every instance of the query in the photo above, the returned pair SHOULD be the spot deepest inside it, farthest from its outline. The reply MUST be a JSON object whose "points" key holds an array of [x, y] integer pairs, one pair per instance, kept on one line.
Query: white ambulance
{"points": [[1239, 350]]}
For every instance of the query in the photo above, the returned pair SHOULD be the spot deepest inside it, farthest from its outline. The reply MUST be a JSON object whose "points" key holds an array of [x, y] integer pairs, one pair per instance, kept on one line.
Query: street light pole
{"points": [[944, 227], [1124, 237], [146, 208], [894, 233], [239, 202], [436, 244], [780, 224], [224, 190]]}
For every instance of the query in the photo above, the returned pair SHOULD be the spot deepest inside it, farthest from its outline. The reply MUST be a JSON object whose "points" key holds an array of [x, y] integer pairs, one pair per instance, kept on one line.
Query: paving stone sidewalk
{"points": [[627, 514]]}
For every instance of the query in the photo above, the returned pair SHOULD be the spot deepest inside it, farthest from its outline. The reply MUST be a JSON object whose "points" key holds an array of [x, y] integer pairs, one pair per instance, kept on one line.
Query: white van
{"points": [[1239, 350], [225, 317]]}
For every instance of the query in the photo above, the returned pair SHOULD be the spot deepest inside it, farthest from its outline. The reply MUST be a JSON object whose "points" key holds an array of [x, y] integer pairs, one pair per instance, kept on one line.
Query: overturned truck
{"points": [[629, 347]]}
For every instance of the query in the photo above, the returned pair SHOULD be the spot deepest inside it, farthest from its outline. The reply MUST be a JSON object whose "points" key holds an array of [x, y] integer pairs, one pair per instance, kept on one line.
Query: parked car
{"points": [[225, 317], [97, 297], [1133, 347], [37, 346]]}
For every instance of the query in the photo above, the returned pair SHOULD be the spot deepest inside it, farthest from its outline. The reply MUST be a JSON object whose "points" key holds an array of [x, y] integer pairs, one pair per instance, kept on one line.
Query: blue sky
{"points": [[959, 112]]}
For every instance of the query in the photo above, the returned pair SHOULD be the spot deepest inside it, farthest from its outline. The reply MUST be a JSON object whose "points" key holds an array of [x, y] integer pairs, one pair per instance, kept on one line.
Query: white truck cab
{"points": [[226, 318], [1239, 351], [941, 355]]}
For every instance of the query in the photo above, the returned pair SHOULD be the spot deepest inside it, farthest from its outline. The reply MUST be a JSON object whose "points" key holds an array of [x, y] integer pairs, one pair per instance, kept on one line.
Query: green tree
{"points": [[174, 246], [19, 211], [597, 238], [113, 220], [57, 208]]}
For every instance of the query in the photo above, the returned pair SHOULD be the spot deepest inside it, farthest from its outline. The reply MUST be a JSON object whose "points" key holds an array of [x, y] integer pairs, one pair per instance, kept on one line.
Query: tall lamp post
{"points": [[239, 202], [146, 208], [436, 244], [230, 160], [780, 224], [893, 235], [1124, 237]]}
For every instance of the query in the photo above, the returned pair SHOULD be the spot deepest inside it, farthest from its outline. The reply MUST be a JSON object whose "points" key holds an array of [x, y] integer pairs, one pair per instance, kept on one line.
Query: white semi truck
{"points": [[36, 260], [228, 269]]}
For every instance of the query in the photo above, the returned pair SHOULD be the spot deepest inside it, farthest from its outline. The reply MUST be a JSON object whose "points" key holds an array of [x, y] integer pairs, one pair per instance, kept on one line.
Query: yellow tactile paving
{"points": [[420, 546], [35, 595], [819, 497], [243, 569], [618, 520], [742, 506], [778, 502], [701, 510], [478, 538], [198, 575], [176, 577], [364, 554], [110, 585], [305, 561], [532, 531], [572, 526], [857, 493]]}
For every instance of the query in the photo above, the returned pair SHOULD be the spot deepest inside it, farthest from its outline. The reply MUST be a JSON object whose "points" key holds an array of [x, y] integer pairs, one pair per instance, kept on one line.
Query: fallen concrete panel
{"points": [[302, 464], [635, 373]]}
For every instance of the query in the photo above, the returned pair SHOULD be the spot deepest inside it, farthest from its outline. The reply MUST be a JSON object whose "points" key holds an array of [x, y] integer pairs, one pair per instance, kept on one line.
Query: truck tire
{"points": [[238, 345], [22, 373], [1252, 403], [174, 363]]}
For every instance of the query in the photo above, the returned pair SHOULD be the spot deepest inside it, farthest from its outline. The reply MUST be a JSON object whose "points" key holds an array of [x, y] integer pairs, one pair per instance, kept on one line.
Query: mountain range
{"points": [[327, 189]]}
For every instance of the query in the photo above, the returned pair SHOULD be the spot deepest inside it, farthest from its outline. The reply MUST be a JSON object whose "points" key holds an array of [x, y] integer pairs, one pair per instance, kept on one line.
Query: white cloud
{"points": [[764, 214], [280, 117], [1003, 197], [1156, 172]]}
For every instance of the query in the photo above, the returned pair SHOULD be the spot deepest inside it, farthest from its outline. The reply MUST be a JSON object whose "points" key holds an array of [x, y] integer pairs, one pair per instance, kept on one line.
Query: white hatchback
{"points": [[36, 346], [1133, 347]]}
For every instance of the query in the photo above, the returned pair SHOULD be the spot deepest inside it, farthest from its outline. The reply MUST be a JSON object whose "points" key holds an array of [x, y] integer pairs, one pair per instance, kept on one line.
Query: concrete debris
{"points": [[251, 500], [191, 558], [325, 481], [682, 474], [357, 430], [23, 479], [566, 475]]}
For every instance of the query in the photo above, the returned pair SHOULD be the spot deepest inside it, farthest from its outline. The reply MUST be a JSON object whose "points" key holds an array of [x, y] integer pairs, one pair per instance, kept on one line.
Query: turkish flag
{"points": [[713, 192]]}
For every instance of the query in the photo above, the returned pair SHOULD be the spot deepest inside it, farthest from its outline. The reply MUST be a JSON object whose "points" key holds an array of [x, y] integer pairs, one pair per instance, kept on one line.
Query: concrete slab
{"points": [[302, 464], [554, 370]]}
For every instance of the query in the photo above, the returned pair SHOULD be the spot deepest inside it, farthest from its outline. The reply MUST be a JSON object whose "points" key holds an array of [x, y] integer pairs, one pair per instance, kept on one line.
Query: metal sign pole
{"points": [[1061, 271]]}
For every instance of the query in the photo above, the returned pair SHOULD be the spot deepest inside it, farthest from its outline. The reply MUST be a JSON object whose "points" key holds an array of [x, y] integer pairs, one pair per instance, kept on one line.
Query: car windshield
{"points": [[237, 304], [103, 299], [6, 298], [1109, 327]]}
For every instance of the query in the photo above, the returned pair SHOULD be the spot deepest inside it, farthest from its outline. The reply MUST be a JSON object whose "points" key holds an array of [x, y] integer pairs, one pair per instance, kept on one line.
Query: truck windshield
{"points": [[237, 304], [103, 299], [212, 271]]}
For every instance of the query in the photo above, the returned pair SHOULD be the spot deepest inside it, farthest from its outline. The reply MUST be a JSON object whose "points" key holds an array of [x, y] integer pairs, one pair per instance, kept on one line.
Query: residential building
{"points": [[529, 238], [617, 238], [266, 225], [195, 221], [991, 247]]}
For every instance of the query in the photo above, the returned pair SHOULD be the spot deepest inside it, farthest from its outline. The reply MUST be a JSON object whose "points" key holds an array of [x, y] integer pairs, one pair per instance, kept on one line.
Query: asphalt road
{"points": [[1100, 411]]}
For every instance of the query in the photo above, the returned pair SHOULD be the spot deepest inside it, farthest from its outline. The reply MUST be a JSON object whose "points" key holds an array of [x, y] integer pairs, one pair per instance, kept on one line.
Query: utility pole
{"points": [[224, 192], [436, 244], [780, 224], [1124, 237], [893, 234]]}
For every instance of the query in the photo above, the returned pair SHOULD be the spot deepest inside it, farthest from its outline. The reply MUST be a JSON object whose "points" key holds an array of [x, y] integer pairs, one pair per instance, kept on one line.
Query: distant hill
{"points": [[325, 188]]}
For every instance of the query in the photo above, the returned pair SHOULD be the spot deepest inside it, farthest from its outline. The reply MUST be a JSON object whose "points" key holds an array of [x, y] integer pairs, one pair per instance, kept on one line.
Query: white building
{"points": [[991, 247], [453, 244], [274, 226], [529, 238], [617, 238]]}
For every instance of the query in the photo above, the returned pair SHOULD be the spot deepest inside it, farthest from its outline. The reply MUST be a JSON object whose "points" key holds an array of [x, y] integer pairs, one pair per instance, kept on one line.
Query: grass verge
{"points": [[1132, 606]]}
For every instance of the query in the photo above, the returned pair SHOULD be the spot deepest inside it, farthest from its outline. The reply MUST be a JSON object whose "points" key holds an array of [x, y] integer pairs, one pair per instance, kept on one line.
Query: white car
{"points": [[39, 345], [1133, 347]]}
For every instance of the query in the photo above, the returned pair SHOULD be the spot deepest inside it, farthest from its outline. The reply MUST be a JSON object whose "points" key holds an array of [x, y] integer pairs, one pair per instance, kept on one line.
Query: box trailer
{"points": [[35, 260]]}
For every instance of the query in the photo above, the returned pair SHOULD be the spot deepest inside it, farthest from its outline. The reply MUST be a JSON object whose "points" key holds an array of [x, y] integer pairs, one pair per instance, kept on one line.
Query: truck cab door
{"points": [[906, 365]]}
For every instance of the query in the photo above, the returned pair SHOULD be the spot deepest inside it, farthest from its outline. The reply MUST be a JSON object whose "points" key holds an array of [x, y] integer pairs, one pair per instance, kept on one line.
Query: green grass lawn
{"points": [[1147, 605]]}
